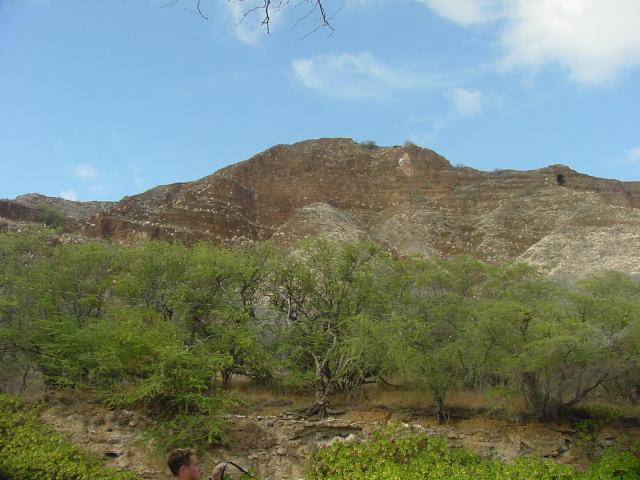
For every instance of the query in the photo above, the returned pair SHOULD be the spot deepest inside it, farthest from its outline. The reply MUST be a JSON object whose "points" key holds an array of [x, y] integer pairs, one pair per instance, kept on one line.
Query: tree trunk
{"points": [[318, 409], [321, 386], [226, 375], [441, 415]]}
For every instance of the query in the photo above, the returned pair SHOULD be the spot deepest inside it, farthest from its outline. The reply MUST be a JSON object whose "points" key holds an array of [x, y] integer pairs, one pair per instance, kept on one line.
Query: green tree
{"points": [[155, 272], [75, 279], [555, 350], [322, 292], [610, 303], [217, 302], [18, 253], [133, 357], [438, 314]]}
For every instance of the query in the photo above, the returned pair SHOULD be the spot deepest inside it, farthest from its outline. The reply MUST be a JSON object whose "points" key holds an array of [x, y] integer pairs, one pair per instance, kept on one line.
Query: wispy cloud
{"points": [[357, 76], [85, 171], [632, 156], [463, 103], [467, 12], [68, 195], [466, 103]]}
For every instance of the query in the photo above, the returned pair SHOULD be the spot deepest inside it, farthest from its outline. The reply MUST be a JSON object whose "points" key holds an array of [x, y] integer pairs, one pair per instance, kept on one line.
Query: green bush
{"points": [[370, 144], [390, 456], [29, 451], [50, 216], [133, 359]]}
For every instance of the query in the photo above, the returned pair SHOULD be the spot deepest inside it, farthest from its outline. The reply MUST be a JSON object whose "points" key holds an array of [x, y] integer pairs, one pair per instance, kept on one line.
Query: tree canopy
{"points": [[164, 327]]}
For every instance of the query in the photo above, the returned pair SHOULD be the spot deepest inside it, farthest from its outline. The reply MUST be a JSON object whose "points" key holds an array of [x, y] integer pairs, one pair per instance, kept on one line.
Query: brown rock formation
{"points": [[408, 198], [78, 211]]}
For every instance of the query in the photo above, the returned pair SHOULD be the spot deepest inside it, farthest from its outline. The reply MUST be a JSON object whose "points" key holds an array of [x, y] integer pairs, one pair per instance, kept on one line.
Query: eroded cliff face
{"points": [[410, 199], [407, 198]]}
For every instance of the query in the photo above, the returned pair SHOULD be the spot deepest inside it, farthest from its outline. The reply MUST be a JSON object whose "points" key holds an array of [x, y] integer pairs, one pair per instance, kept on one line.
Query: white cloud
{"points": [[466, 103], [466, 12], [632, 156], [359, 76], [594, 40], [85, 171], [69, 195]]}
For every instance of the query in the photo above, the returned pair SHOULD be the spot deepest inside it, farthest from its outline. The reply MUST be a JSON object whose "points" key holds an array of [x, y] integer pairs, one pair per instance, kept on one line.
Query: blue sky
{"points": [[104, 99]]}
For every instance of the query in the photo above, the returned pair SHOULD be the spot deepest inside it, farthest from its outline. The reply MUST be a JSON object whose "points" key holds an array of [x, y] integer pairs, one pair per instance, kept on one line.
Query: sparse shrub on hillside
{"points": [[370, 144], [50, 216]]}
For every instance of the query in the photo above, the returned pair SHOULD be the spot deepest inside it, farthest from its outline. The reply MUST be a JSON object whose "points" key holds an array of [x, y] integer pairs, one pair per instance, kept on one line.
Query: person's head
{"points": [[183, 463]]}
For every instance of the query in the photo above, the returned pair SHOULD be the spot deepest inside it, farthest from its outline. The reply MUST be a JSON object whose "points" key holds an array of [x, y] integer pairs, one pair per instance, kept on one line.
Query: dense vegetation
{"points": [[29, 451], [394, 457], [162, 327]]}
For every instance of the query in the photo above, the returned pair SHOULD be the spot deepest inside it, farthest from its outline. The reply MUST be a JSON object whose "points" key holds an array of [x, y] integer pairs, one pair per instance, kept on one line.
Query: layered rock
{"points": [[410, 199]]}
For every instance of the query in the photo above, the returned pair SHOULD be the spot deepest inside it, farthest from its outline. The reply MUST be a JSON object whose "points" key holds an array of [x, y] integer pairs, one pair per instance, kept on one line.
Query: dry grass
{"points": [[269, 400], [374, 396], [263, 399], [384, 400], [606, 410]]}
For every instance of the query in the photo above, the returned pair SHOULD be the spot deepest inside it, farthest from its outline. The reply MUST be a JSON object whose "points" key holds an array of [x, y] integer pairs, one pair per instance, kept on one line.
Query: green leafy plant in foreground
{"points": [[390, 456], [29, 451]]}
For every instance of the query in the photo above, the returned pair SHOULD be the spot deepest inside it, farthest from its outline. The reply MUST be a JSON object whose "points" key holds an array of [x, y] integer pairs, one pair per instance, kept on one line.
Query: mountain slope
{"points": [[408, 198]]}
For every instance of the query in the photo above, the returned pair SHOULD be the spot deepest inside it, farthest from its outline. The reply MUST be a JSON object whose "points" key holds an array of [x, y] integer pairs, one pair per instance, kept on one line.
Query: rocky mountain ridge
{"points": [[34, 208], [408, 198]]}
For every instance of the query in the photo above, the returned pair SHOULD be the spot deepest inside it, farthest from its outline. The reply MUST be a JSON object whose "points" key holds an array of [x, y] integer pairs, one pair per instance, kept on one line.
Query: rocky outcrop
{"points": [[40, 209], [277, 446], [78, 211], [10, 210], [409, 199]]}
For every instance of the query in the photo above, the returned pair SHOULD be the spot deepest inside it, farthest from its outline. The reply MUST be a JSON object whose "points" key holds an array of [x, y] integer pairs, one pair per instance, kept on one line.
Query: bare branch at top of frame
{"points": [[270, 7]]}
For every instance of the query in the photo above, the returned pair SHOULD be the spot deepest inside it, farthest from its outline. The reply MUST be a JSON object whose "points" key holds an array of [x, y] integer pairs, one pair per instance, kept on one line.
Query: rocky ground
{"points": [[275, 446]]}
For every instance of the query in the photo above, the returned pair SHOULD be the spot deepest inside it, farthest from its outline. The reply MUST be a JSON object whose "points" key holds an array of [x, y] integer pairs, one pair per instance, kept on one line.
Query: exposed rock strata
{"points": [[409, 199]]}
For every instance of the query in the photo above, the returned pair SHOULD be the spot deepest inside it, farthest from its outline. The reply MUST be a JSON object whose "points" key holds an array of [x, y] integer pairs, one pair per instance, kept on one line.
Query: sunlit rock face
{"points": [[409, 199]]}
